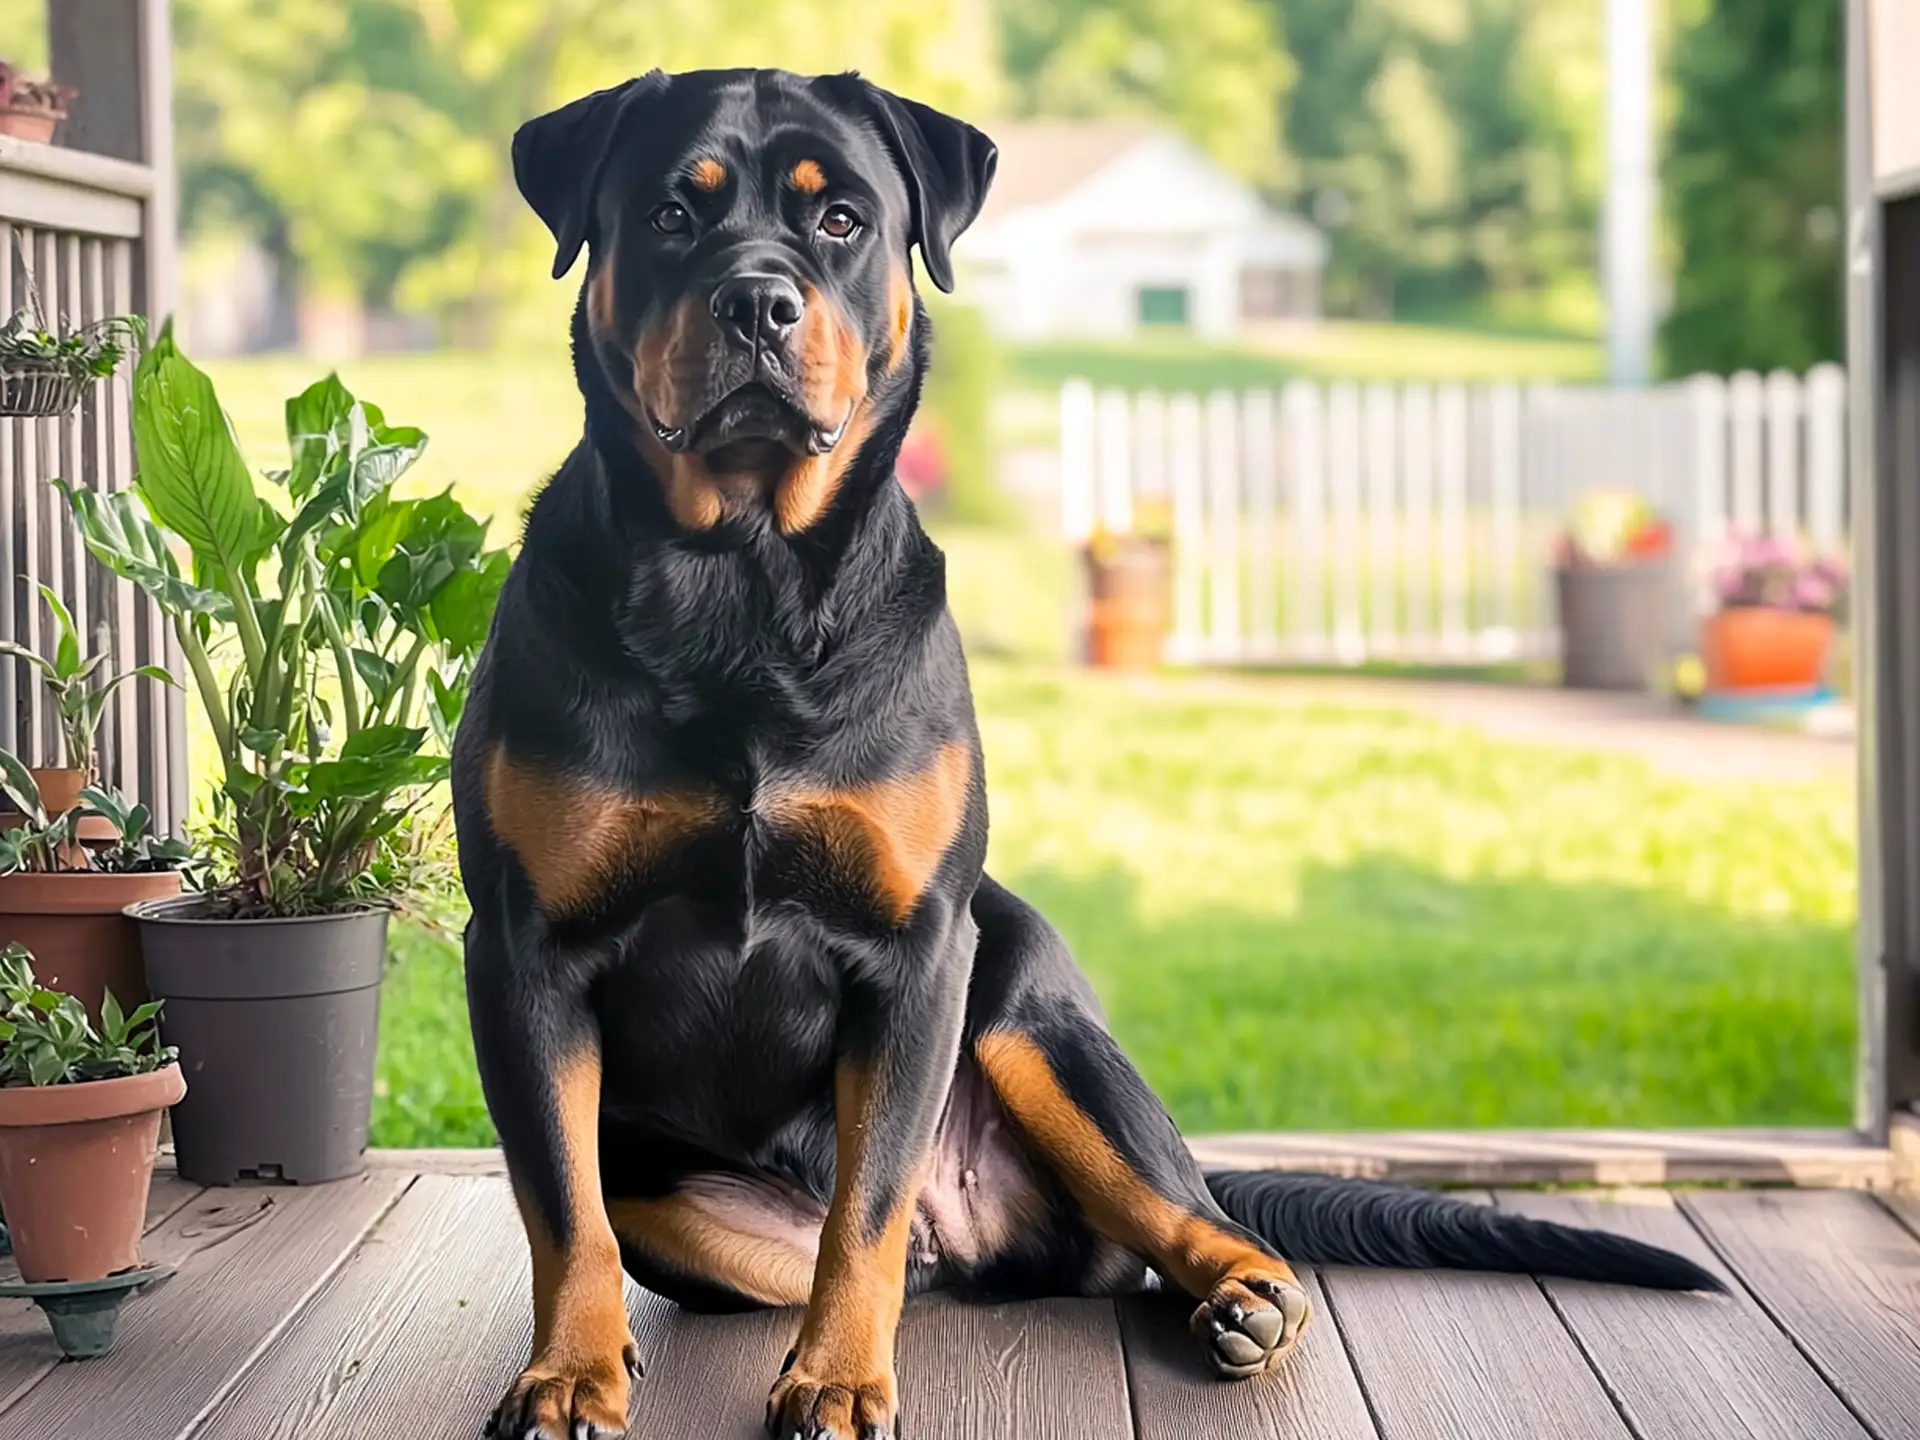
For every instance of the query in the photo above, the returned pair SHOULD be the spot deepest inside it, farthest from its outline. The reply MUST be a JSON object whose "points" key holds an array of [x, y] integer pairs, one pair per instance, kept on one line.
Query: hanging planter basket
{"points": [[39, 391]]}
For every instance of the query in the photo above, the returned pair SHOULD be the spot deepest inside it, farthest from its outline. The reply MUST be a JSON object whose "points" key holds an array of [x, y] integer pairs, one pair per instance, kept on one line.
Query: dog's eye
{"points": [[669, 219], [839, 222]]}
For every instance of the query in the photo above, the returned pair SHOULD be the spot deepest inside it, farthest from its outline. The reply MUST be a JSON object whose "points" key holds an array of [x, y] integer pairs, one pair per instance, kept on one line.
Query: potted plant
{"points": [[1129, 593], [43, 374], [1779, 607], [347, 620], [1613, 583], [67, 904], [80, 1111], [30, 109]]}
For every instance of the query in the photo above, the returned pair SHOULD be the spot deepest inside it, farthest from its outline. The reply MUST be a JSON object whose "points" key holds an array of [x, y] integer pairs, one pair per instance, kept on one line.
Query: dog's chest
{"points": [[781, 836]]}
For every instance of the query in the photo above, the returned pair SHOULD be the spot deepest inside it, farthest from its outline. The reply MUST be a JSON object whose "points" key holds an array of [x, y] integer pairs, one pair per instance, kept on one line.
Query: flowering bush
{"points": [[1782, 574], [1614, 527]]}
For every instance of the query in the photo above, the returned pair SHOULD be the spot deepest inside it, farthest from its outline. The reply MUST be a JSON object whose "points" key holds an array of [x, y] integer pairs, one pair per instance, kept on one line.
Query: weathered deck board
{"points": [[1051, 1370], [249, 1258], [1842, 1276], [414, 1338], [1466, 1357], [708, 1375], [1686, 1365], [1177, 1397]]}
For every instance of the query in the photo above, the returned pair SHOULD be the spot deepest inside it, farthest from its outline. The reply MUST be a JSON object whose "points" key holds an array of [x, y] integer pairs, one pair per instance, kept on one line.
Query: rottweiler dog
{"points": [[753, 1024]]}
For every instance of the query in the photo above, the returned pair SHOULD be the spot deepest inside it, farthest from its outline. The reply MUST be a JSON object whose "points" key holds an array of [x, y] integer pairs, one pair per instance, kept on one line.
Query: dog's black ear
{"points": [[947, 165], [558, 157]]}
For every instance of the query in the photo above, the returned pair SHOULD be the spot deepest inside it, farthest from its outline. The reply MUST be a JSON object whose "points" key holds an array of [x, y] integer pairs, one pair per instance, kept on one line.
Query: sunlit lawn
{"points": [[1297, 915]]}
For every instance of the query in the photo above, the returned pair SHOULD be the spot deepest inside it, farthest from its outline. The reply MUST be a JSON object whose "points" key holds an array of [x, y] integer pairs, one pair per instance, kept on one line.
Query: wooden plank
{"points": [[73, 578], [1746, 410], [1223, 528], [712, 1374], [1827, 457], [1078, 484], [37, 200], [1343, 489], [1189, 525], [1841, 1276], [1707, 399], [1783, 453], [1417, 552], [417, 1336], [249, 1259], [1045, 1370], [1501, 639], [80, 168], [1258, 444], [1450, 444], [1382, 451], [1301, 418], [1685, 1365], [1314, 1396], [1570, 1157], [1452, 1356], [1113, 467], [10, 501]]}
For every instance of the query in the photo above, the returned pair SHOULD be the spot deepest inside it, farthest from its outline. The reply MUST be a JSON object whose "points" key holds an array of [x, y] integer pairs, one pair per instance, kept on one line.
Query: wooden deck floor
{"points": [[395, 1306]]}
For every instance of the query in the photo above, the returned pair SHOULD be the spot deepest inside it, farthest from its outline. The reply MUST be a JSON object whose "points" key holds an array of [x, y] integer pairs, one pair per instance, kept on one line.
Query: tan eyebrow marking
{"points": [[709, 174], [809, 177]]}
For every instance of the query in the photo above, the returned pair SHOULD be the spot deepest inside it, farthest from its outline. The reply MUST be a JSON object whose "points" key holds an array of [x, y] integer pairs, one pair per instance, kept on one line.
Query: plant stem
{"points": [[342, 657], [253, 645], [212, 699], [410, 681]]}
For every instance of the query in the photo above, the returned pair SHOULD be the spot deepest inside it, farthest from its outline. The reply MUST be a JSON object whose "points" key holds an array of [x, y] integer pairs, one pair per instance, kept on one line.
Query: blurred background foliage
{"points": [[1452, 148]]}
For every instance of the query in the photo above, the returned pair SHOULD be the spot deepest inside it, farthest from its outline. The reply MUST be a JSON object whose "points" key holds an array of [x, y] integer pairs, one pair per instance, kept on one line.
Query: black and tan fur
{"points": [[753, 1025]]}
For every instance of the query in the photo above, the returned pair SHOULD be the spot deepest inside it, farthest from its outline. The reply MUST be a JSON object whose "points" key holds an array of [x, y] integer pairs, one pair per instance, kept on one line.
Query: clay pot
{"points": [[1759, 647], [1129, 584], [60, 789], [35, 125], [75, 1164], [81, 942]]}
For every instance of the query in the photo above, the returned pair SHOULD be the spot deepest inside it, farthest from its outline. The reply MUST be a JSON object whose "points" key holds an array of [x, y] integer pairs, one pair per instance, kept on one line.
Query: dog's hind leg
{"points": [[1087, 1115], [720, 1242], [538, 1048]]}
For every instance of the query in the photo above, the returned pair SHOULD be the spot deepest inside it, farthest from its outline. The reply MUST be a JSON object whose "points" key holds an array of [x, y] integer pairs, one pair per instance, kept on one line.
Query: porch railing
{"points": [[75, 233], [1408, 522]]}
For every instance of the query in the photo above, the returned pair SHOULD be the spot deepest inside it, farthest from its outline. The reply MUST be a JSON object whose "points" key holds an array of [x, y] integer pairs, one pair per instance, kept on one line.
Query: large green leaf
{"points": [[462, 609], [118, 534], [313, 417], [436, 540], [21, 787], [191, 473], [66, 656], [376, 762]]}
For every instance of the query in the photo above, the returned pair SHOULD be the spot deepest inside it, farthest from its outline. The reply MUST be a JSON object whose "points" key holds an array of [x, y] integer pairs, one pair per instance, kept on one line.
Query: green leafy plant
{"points": [[91, 352], [47, 1039], [348, 619], [43, 844], [79, 697], [135, 850]]}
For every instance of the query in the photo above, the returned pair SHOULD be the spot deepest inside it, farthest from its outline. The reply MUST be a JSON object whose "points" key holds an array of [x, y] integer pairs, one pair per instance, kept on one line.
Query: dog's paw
{"points": [[807, 1407], [584, 1401], [1250, 1322]]}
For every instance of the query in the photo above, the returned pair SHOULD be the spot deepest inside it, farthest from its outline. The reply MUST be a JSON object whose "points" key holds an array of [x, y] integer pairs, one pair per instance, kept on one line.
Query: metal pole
{"points": [[1626, 250]]}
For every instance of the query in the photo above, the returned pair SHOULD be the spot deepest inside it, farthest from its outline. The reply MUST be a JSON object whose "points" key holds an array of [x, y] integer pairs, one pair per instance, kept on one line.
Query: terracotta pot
{"points": [[1758, 647], [1129, 583], [59, 792], [36, 125], [75, 1163], [81, 942]]}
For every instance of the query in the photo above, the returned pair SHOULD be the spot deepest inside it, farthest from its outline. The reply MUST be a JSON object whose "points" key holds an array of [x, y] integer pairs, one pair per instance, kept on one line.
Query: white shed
{"points": [[1099, 227]]}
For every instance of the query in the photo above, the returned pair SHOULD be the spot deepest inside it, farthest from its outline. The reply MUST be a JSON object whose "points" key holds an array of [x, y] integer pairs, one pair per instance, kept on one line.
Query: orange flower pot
{"points": [[1129, 581], [1758, 647]]}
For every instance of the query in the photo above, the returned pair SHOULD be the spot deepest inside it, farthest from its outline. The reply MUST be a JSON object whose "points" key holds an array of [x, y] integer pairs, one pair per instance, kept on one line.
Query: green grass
{"points": [[1305, 915]]}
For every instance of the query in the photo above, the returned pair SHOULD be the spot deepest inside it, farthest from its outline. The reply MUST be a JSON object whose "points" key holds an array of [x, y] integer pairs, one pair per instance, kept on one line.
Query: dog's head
{"points": [[749, 299]]}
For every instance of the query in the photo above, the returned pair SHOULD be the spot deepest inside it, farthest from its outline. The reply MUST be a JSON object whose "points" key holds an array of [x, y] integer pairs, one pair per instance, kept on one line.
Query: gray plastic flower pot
{"points": [[277, 1022], [1615, 621]]}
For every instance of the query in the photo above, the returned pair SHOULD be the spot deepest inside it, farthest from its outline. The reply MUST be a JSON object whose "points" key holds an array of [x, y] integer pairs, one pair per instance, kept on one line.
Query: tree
{"points": [[1754, 178], [1215, 69]]}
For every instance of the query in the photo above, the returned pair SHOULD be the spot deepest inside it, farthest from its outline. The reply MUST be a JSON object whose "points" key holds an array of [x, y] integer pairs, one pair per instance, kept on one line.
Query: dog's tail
{"points": [[1326, 1220]]}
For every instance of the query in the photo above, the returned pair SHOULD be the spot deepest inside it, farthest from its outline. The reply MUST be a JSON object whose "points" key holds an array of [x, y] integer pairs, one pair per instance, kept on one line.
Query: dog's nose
{"points": [[754, 309]]}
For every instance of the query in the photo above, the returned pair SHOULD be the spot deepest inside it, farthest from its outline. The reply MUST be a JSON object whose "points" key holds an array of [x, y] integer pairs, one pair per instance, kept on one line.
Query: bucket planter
{"points": [[276, 1022], [1749, 648], [1129, 587], [73, 922], [31, 109], [1614, 623], [75, 1165]]}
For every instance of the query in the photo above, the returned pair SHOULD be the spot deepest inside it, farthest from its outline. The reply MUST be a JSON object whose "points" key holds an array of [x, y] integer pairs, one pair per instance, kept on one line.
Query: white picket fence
{"points": [[1415, 523]]}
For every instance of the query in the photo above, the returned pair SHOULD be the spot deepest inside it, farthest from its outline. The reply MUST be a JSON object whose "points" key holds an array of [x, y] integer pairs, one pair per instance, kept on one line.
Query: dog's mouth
{"points": [[748, 424]]}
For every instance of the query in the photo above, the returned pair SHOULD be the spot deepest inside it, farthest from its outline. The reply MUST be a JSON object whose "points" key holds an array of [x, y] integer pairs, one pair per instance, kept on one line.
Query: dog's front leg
{"points": [[538, 1046], [899, 1037]]}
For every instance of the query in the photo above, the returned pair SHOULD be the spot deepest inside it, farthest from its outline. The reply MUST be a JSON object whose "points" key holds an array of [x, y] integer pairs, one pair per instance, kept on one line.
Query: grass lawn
{"points": [[1302, 915]]}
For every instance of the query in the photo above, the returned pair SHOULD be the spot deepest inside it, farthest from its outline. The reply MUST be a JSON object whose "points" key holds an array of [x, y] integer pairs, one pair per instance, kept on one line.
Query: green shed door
{"points": [[1163, 305]]}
